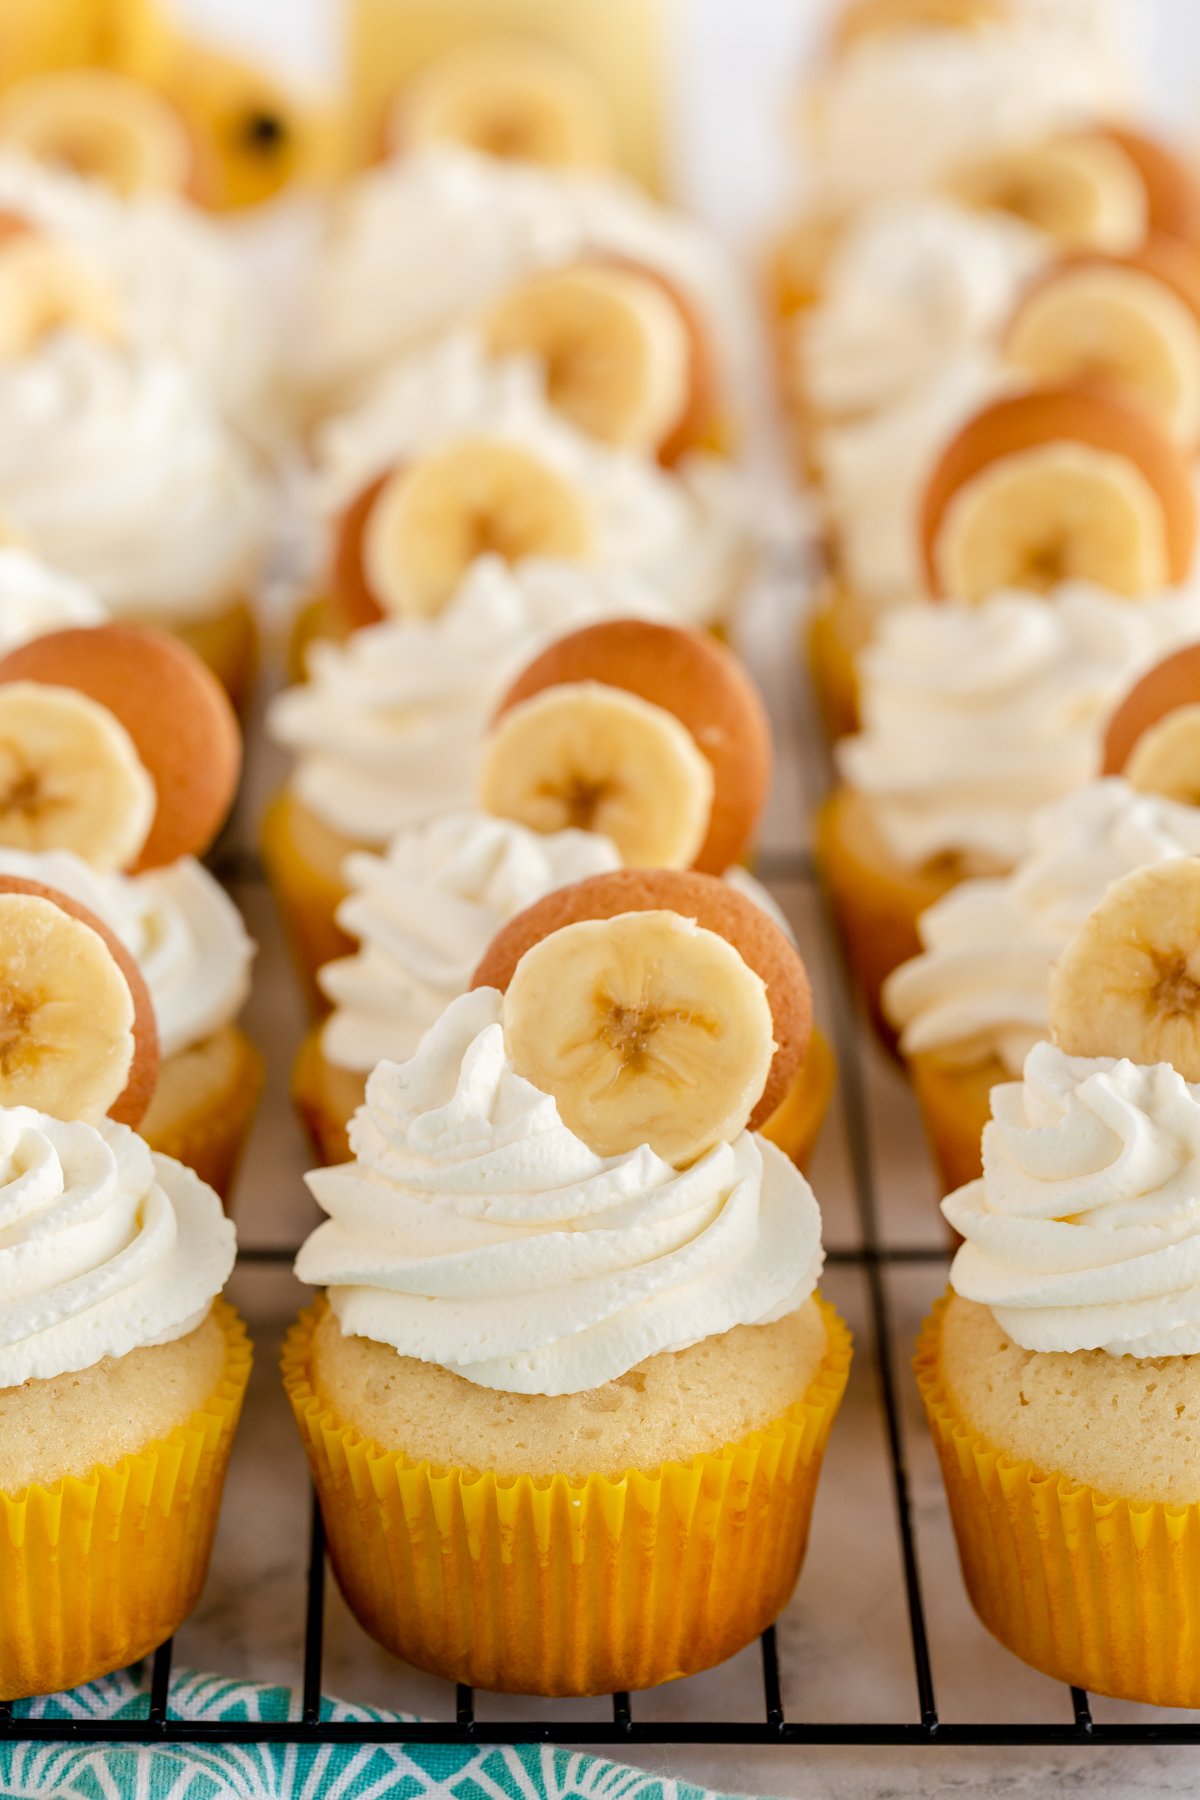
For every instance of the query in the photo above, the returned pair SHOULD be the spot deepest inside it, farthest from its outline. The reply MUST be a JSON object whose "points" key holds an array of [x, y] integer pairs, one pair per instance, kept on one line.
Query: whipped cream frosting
{"points": [[973, 717], [1084, 1232], [980, 987], [387, 728], [686, 530], [425, 912], [177, 280], [178, 924], [898, 111], [914, 282], [475, 1231], [421, 244], [114, 466], [35, 598], [104, 1247]]}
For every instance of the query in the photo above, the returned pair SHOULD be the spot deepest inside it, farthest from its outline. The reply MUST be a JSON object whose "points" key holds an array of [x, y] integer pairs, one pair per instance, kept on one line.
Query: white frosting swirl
{"points": [[178, 924], [420, 245], [35, 599], [913, 284], [104, 1247], [114, 467], [875, 470], [897, 112], [176, 278], [980, 988], [975, 716], [425, 912], [1084, 1233], [389, 723], [475, 1231], [687, 531]]}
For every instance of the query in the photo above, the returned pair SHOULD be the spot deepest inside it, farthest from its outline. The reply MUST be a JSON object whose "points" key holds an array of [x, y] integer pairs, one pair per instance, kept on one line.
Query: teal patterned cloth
{"points": [[34, 1771]]}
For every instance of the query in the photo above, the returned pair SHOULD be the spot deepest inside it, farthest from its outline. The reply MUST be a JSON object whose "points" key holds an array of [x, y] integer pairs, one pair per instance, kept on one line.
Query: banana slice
{"points": [[595, 758], [432, 519], [1166, 758], [1060, 512], [1128, 984], [615, 350], [1170, 688], [1118, 326], [519, 101], [646, 1029], [1085, 192], [66, 1013], [70, 777], [101, 125], [44, 288]]}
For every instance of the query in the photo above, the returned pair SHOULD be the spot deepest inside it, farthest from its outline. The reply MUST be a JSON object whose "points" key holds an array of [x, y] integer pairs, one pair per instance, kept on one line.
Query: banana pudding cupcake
{"points": [[1061, 1376], [117, 469], [121, 757], [971, 1007], [121, 1369], [386, 730], [427, 244], [633, 1316], [459, 452], [624, 744]]}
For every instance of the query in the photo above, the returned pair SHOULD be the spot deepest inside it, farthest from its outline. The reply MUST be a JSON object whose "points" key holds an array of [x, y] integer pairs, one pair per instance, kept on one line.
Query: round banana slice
{"points": [[1171, 187], [1053, 483], [157, 692], [77, 1033], [879, 18], [698, 682], [101, 125], [616, 352], [716, 906], [1084, 192], [1128, 983], [44, 288], [1170, 688], [70, 778], [646, 1029], [591, 758], [507, 98], [1166, 758], [431, 520], [1121, 326]]}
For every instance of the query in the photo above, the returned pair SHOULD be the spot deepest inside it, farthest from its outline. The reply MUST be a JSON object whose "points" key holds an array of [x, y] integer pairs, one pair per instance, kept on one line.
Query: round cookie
{"points": [[356, 604], [1172, 683], [130, 1107], [1172, 192], [1169, 260], [698, 416], [711, 903], [697, 680], [1046, 415], [177, 713]]}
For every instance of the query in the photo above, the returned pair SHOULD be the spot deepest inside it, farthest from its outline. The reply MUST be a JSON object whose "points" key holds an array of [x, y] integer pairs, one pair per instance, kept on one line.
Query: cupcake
{"points": [[633, 1317], [459, 450], [121, 1369], [171, 281], [386, 730], [429, 243], [1060, 1374], [627, 743], [122, 756], [117, 470]]}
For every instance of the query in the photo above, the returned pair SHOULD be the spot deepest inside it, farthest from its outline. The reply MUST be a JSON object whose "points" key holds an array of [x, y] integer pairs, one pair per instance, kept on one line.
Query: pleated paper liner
{"points": [[553, 1586], [96, 1572], [1102, 1593]]}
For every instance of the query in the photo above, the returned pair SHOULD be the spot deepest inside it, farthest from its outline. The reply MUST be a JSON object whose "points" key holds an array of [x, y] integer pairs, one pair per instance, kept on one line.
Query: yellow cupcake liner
{"points": [[96, 1572], [557, 1586], [1102, 1593]]}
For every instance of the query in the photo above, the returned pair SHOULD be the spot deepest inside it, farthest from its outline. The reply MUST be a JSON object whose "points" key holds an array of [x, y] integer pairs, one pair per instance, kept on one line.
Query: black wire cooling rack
{"points": [[625, 1729]]}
